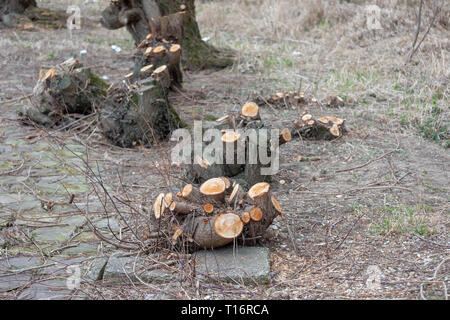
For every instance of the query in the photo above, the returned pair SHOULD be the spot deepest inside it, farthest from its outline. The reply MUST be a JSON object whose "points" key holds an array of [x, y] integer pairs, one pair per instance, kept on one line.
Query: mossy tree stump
{"points": [[171, 20], [64, 91], [140, 114]]}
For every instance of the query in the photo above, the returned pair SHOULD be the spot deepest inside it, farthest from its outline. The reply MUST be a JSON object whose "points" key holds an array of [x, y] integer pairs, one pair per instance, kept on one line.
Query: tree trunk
{"points": [[63, 91], [247, 135], [15, 6], [141, 114], [172, 20]]}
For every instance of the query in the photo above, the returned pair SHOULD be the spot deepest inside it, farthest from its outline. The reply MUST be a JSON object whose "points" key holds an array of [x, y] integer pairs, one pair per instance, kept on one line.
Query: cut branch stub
{"points": [[285, 136], [159, 206], [181, 207], [245, 217], [227, 183], [259, 190], [276, 205], [323, 128], [256, 214], [209, 208], [250, 110], [263, 212], [191, 194], [230, 141], [162, 75], [228, 225], [214, 189], [175, 54], [236, 195]]}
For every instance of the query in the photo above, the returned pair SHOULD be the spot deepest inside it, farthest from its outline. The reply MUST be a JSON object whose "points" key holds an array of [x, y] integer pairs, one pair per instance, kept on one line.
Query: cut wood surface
{"points": [[228, 225], [322, 128], [243, 134], [214, 189], [207, 221], [165, 21], [63, 90]]}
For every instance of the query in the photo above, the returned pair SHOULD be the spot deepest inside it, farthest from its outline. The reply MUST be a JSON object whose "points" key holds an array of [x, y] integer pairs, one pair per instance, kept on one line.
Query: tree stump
{"points": [[227, 221], [322, 128], [245, 134], [65, 90], [140, 114], [170, 20]]}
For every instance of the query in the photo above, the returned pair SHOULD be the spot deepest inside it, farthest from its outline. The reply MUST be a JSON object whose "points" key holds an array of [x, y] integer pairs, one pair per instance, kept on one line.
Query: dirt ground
{"points": [[366, 216]]}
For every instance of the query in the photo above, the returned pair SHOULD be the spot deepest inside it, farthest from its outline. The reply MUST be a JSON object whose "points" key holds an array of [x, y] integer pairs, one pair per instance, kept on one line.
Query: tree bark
{"points": [[15, 6], [17, 13], [172, 20], [62, 91], [229, 220], [139, 115], [246, 134]]}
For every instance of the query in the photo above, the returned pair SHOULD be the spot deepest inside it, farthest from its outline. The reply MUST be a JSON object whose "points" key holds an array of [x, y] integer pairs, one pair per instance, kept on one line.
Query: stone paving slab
{"points": [[54, 289], [248, 265], [245, 265], [121, 269], [14, 281], [53, 234]]}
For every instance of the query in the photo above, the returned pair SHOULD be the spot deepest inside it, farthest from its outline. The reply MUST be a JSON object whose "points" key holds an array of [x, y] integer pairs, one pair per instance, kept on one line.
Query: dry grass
{"points": [[341, 223], [327, 46]]}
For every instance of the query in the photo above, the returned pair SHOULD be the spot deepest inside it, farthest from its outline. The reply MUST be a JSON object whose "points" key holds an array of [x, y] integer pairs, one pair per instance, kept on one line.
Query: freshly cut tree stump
{"points": [[214, 190], [323, 128], [290, 99], [244, 133], [140, 113], [166, 20], [63, 91], [205, 225], [159, 54]]}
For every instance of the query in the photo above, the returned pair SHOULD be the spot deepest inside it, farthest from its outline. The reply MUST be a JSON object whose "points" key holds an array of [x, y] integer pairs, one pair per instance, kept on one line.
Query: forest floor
{"points": [[368, 213]]}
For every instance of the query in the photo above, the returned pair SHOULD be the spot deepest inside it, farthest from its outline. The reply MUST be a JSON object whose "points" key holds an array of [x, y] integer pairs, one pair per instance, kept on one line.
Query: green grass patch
{"points": [[398, 220]]}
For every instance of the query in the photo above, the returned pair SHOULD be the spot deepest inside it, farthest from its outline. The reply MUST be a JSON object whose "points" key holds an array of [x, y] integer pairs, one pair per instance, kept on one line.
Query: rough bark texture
{"points": [[322, 128], [252, 133], [25, 13], [156, 54], [201, 230], [62, 91], [166, 18], [15, 6], [138, 114]]}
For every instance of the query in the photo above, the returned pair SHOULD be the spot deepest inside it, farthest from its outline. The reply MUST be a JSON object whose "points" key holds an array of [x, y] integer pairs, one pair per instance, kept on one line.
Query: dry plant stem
{"points": [[368, 162], [414, 48]]}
